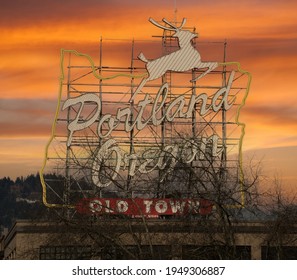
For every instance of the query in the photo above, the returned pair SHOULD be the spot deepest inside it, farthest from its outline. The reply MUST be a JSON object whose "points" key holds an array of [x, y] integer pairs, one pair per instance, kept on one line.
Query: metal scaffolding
{"points": [[73, 164]]}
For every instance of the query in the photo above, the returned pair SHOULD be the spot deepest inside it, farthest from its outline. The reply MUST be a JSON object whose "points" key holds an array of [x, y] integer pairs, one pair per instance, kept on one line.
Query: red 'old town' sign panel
{"points": [[166, 125], [144, 207]]}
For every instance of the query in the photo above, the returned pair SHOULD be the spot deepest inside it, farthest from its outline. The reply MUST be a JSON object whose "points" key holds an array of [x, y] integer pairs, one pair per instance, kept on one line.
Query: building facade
{"points": [[150, 239]]}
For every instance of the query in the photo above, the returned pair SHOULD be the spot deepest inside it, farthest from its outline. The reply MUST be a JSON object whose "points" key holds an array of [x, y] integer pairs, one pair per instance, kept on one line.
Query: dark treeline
{"points": [[21, 199]]}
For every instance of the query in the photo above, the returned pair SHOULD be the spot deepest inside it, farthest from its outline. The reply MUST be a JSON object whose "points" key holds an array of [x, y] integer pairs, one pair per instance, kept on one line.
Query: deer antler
{"points": [[161, 26], [174, 28], [170, 24]]}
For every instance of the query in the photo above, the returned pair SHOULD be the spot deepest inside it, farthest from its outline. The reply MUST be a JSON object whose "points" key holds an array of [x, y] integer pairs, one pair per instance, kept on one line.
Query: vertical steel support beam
{"points": [[101, 100], [224, 119], [68, 148], [131, 115]]}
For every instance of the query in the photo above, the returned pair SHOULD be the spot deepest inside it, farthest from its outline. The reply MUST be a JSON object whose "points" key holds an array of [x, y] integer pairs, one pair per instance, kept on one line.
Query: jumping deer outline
{"points": [[184, 59]]}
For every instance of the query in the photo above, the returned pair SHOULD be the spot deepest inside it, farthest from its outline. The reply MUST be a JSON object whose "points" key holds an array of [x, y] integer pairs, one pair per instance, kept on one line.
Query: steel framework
{"points": [[173, 139]]}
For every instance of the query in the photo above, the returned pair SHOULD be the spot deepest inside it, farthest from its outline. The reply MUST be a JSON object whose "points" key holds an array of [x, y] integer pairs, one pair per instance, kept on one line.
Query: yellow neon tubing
{"points": [[242, 125], [53, 131]]}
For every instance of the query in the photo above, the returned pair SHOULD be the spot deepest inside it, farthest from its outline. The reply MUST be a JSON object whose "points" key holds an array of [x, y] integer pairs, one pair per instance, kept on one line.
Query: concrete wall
{"points": [[25, 238]]}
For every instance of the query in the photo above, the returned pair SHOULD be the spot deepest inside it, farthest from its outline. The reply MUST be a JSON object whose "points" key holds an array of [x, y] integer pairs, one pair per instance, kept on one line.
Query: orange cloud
{"points": [[260, 34], [26, 117]]}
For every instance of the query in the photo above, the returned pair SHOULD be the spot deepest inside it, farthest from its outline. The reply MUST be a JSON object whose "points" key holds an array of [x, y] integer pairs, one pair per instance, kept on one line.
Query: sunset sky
{"points": [[261, 35]]}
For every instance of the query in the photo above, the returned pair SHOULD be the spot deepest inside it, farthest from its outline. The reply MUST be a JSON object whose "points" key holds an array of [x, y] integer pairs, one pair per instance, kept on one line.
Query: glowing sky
{"points": [[261, 34]]}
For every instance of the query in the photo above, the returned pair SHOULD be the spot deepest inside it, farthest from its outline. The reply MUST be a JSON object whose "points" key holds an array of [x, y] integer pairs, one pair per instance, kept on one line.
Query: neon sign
{"points": [[108, 140], [144, 207]]}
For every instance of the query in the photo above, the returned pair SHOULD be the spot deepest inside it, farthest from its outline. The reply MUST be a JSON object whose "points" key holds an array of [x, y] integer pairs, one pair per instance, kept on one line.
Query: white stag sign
{"points": [[184, 59], [122, 132]]}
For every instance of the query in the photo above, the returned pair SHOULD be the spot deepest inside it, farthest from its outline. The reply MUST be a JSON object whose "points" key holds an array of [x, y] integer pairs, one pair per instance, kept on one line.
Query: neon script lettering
{"points": [[175, 108]]}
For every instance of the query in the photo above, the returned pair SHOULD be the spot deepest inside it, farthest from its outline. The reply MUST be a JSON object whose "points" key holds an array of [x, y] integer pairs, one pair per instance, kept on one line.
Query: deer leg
{"points": [[209, 65], [139, 88]]}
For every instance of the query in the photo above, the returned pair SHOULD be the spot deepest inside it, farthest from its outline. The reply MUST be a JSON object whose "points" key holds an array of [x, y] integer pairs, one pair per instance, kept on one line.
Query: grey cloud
{"points": [[277, 114], [26, 116]]}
